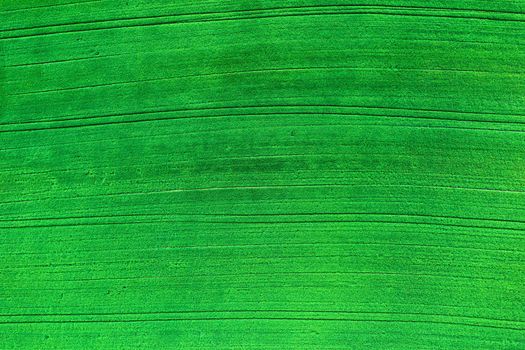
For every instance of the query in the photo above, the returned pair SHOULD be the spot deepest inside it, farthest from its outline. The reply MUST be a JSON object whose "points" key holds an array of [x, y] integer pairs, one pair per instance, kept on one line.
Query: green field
{"points": [[262, 174]]}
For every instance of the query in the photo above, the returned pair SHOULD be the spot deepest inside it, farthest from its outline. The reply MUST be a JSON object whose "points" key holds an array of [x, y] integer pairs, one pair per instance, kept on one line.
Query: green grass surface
{"points": [[262, 174]]}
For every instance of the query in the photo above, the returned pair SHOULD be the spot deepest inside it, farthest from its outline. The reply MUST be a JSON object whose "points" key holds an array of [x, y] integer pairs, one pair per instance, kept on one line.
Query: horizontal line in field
{"points": [[282, 12], [237, 111], [284, 315]]}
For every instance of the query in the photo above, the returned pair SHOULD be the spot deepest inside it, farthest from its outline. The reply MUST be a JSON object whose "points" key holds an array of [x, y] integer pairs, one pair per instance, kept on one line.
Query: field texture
{"points": [[330, 174]]}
